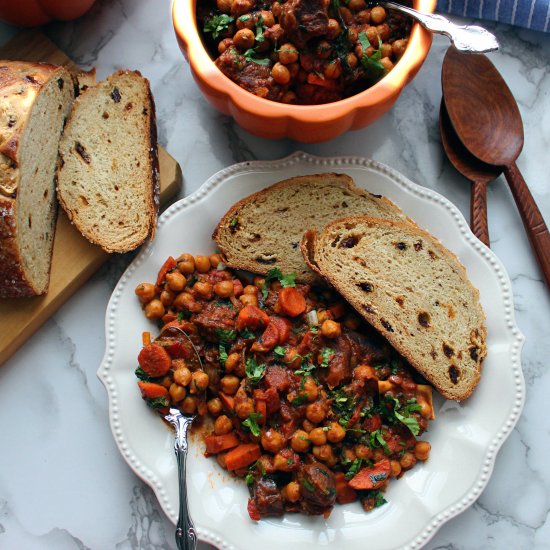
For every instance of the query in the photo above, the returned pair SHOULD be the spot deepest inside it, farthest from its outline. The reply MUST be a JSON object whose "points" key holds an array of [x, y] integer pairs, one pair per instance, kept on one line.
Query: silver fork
{"points": [[466, 38], [186, 537]]}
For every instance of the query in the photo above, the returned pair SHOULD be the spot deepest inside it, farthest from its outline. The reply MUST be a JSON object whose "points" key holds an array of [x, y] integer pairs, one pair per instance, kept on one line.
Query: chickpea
{"points": [[324, 453], [202, 264], [308, 426], [184, 300], [349, 454], [353, 35], [215, 260], [378, 454], [384, 32], [346, 14], [224, 5], [229, 384], [363, 17], [259, 282], [240, 7], [318, 436], [224, 289], [331, 329], [399, 47], [289, 98], [248, 300], [363, 372], [175, 281], [200, 381], [395, 468], [291, 492], [244, 39], [372, 35], [166, 382], [311, 389], [189, 405], [281, 463], [387, 63], [267, 18], [407, 461], [272, 441], [362, 451], [422, 450], [224, 45], [203, 289], [222, 425], [316, 412], [425, 409], [377, 15], [332, 69], [323, 49], [145, 292], [294, 69], [276, 9], [386, 50], [214, 406], [357, 5], [265, 464], [288, 54], [300, 441], [333, 29], [186, 264], [154, 309], [244, 409], [167, 297], [280, 74], [251, 289], [336, 432], [182, 376], [177, 392], [231, 362]]}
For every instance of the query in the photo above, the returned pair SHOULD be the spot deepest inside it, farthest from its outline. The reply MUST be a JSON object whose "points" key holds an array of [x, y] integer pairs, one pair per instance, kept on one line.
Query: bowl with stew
{"points": [[307, 70]]}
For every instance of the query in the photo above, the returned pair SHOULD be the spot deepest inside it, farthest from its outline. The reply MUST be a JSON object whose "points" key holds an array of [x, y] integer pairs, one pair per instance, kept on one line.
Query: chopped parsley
{"points": [[226, 336], [372, 64], [403, 414], [142, 375], [250, 56], [276, 274], [260, 30], [223, 355], [279, 351], [218, 24], [326, 355], [234, 220], [299, 400], [254, 371], [158, 402], [354, 468], [376, 441], [181, 316], [378, 498], [247, 334], [252, 423]]}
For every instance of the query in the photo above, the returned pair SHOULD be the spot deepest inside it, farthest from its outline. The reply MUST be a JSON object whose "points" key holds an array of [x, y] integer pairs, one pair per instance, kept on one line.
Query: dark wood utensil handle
{"points": [[532, 218], [478, 212]]}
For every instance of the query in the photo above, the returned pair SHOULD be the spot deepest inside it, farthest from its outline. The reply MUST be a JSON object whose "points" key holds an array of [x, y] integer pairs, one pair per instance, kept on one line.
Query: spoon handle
{"points": [[532, 218], [478, 211]]}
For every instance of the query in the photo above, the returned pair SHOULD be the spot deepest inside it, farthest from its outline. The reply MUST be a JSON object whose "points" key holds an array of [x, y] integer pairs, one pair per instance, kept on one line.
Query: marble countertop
{"points": [[63, 483]]}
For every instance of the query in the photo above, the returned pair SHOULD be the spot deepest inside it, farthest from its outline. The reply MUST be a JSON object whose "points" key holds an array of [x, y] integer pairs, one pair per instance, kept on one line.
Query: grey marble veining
{"points": [[63, 483]]}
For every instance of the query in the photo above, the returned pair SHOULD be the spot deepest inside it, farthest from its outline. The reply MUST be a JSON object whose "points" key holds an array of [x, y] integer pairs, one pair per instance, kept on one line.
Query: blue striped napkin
{"points": [[531, 14]]}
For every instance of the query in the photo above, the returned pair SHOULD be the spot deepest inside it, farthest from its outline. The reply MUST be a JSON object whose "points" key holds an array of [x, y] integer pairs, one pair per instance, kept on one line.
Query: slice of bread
{"points": [[413, 290], [108, 168], [35, 100], [264, 230]]}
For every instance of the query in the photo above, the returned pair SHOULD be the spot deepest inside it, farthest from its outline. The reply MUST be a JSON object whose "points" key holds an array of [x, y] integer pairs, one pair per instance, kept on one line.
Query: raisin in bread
{"points": [[264, 230], [413, 290], [35, 100], [108, 168]]}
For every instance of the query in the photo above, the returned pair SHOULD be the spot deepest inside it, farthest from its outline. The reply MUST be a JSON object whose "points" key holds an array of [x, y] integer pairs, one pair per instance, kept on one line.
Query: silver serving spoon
{"points": [[186, 537], [466, 38]]}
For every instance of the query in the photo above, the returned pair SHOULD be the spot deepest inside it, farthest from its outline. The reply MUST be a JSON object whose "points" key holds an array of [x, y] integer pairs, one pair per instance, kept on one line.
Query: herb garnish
{"points": [[250, 55], [279, 351], [223, 355], [226, 336], [218, 24], [326, 355], [372, 64], [275, 274], [252, 423], [142, 375], [254, 371], [376, 440], [403, 414]]}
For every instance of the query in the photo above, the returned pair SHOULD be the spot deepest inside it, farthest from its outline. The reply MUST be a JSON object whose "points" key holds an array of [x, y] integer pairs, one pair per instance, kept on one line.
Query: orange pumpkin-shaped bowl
{"points": [[304, 123]]}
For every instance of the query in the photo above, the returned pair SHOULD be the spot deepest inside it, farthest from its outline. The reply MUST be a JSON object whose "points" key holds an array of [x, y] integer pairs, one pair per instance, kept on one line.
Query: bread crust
{"points": [[310, 247], [224, 230], [18, 80]]}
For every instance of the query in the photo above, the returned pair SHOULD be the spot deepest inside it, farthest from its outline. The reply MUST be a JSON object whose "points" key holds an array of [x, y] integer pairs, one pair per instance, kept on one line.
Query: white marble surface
{"points": [[63, 483]]}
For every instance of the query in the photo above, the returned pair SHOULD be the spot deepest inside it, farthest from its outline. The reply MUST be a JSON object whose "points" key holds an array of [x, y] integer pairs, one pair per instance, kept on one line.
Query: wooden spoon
{"points": [[479, 174], [487, 121]]}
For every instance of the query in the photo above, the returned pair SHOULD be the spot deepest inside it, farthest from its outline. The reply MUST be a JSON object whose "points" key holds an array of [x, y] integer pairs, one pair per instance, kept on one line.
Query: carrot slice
{"points": [[283, 326], [150, 390], [217, 443], [261, 408], [154, 360], [291, 301], [344, 493], [316, 80], [373, 477], [242, 456], [268, 340], [228, 401], [252, 317], [167, 266]]}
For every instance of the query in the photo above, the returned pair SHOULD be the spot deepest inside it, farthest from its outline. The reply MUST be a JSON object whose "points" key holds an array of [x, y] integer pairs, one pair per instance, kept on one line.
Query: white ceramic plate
{"points": [[465, 437]]}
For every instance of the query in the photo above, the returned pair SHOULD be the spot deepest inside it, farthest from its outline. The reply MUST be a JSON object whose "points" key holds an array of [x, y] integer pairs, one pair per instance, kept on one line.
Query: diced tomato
{"points": [[168, 265], [268, 340], [154, 360], [373, 477], [252, 317], [291, 301]]}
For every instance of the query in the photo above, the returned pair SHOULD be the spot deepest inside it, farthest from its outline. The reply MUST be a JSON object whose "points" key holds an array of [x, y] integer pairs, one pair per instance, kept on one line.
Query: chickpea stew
{"points": [[308, 405], [305, 52]]}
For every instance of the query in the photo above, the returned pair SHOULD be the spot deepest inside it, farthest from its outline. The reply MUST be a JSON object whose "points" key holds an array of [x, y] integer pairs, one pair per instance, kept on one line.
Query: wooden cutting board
{"points": [[74, 258]]}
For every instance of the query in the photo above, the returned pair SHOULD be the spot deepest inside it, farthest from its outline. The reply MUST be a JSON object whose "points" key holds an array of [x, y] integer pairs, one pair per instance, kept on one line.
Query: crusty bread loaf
{"points": [[108, 168], [35, 99], [413, 290], [264, 230]]}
